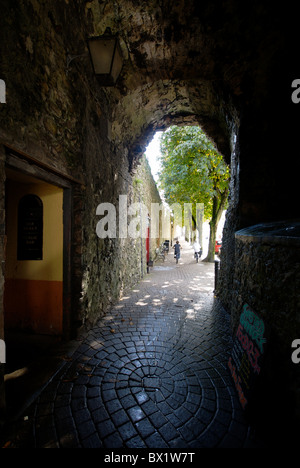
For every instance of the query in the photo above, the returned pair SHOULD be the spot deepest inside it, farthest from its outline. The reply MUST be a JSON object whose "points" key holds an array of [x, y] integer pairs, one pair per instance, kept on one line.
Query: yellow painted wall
{"points": [[51, 267], [33, 296]]}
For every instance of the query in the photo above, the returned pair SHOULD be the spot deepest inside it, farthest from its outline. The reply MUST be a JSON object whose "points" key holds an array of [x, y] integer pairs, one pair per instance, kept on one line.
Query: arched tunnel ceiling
{"points": [[163, 103], [186, 61]]}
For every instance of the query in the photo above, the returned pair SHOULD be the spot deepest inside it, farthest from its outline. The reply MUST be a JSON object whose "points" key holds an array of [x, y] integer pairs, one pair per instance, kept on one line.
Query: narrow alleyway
{"points": [[152, 374]]}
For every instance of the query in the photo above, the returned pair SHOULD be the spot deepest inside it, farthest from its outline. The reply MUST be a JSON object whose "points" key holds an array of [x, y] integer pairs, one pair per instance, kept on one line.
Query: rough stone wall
{"points": [[2, 256], [224, 285], [266, 277], [115, 264], [56, 113], [146, 191], [48, 105], [44, 108]]}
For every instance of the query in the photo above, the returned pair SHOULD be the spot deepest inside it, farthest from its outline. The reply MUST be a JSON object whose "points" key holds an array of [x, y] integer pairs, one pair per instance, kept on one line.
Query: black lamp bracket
{"points": [[70, 58]]}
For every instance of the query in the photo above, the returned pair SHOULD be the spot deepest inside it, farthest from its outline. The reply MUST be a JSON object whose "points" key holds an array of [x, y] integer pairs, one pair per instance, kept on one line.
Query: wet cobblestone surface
{"points": [[152, 373]]}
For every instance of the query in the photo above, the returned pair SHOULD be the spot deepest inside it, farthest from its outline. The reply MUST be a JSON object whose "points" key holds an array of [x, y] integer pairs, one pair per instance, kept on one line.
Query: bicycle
{"points": [[161, 253], [197, 255]]}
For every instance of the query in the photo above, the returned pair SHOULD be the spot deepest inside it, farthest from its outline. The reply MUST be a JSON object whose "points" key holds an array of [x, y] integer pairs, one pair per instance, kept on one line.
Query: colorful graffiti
{"points": [[237, 380], [247, 353], [254, 326]]}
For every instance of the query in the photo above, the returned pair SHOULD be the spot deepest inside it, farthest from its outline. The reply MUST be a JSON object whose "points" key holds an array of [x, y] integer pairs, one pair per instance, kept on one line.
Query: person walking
{"points": [[176, 248]]}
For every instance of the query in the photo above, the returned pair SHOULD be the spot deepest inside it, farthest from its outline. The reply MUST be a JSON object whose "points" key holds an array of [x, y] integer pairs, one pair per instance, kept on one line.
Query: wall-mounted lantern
{"points": [[106, 57]]}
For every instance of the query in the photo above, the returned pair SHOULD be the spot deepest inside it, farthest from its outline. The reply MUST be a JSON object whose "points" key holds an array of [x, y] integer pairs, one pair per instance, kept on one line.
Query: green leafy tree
{"points": [[193, 171]]}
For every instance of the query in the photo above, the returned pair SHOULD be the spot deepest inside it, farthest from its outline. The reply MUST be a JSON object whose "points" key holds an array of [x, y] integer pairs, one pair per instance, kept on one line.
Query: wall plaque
{"points": [[30, 228]]}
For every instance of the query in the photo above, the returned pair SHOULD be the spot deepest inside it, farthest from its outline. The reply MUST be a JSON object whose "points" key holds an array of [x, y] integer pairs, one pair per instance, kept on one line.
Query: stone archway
{"points": [[216, 64]]}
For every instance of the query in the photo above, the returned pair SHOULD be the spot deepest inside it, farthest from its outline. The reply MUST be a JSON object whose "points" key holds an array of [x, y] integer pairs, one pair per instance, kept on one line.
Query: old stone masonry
{"points": [[152, 374]]}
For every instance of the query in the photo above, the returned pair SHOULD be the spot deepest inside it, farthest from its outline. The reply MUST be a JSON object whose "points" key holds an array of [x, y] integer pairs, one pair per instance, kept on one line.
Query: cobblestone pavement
{"points": [[151, 374]]}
